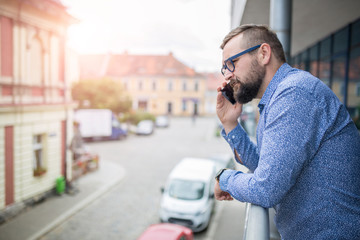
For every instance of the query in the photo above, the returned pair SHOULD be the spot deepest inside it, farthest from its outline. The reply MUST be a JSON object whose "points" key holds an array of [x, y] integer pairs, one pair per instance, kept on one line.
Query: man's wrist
{"points": [[228, 127], [221, 171]]}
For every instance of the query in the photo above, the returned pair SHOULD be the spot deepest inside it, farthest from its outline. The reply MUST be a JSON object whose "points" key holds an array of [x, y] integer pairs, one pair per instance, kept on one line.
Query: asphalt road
{"points": [[129, 208]]}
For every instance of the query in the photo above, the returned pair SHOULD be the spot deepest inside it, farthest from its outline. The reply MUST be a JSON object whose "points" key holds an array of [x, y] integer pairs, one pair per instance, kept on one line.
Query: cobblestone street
{"points": [[131, 206]]}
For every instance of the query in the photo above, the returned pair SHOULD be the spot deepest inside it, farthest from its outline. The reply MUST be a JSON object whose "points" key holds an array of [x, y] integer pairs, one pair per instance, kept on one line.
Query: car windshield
{"points": [[186, 190]]}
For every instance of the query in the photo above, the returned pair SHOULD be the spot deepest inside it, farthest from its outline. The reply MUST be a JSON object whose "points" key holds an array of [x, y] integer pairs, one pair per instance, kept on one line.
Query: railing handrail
{"points": [[257, 225]]}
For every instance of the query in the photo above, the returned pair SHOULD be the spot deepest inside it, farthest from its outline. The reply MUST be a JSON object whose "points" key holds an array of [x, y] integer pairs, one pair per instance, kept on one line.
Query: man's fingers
{"points": [[224, 196], [222, 85]]}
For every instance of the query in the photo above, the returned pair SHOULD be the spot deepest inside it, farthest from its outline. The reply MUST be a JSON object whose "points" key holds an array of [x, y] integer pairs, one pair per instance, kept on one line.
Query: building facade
{"points": [[158, 84], [35, 102], [325, 40]]}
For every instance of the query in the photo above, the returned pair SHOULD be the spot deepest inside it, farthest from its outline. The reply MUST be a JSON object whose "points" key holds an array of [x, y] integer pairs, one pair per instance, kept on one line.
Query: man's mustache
{"points": [[233, 82]]}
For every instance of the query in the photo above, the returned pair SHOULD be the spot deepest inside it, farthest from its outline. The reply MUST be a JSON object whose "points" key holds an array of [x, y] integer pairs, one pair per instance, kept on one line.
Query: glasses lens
{"points": [[230, 65], [223, 70]]}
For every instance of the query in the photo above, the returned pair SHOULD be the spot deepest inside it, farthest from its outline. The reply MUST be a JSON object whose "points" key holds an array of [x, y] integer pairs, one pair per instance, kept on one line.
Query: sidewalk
{"points": [[35, 222]]}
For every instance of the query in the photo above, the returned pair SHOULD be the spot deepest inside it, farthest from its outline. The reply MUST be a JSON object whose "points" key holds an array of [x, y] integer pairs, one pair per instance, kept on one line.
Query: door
{"points": [[169, 108], [195, 109]]}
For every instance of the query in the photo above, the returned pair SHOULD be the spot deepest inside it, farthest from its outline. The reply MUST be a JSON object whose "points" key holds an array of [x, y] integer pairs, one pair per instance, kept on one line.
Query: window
{"points": [[170, 85], [154, 85], [38, 155], [341, 41], [304, 61], [184, 105], [184, 85], [355, 34], [186, 189], [324, 63], [196, 87], [353, 97], [313, 60], [140, 85], [142, 105], [338, 77], [339, 47], [296, 61], [336, 61]]}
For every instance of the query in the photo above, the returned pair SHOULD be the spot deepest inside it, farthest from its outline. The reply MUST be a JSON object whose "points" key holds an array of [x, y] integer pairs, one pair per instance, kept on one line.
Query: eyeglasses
{"points": [[229, 63]]}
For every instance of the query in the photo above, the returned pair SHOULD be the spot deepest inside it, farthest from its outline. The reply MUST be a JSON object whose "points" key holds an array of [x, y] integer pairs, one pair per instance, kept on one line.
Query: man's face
{"points": [[248, 75], [247, 87]]}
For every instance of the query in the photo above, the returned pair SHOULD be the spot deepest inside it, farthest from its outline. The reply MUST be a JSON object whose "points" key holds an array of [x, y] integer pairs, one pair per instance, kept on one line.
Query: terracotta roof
{"points": [[127, 65]]}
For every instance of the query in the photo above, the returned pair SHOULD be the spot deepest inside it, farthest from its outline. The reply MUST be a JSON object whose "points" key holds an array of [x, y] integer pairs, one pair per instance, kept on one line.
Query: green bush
{"points": [[135, 117]]}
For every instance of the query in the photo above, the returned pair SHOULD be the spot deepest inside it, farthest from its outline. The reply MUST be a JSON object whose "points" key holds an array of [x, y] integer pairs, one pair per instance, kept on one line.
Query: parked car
{"points": [[145, 127], [188, 197], [162, 121], [167, 231], [223, 160]]}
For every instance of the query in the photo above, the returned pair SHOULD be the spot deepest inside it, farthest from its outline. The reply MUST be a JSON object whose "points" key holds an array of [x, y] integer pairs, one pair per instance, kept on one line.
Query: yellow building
{"points": [[35, 103], [158, 84]]}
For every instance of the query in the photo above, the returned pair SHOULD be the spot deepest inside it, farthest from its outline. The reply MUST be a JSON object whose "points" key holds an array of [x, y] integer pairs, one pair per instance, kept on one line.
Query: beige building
{"points": [[158, 84], [35, 103]]}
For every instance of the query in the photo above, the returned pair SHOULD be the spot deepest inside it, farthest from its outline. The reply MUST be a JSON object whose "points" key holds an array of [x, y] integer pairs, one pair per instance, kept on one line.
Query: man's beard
{"points": [[247, 90]]}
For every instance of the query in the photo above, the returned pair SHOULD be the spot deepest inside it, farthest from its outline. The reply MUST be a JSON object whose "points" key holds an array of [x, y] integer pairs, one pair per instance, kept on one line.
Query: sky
{"points": [[191, 29]]}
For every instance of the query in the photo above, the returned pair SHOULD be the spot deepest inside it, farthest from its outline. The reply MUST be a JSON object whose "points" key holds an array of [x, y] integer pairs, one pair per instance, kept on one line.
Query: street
{"points": [[130, 207]]}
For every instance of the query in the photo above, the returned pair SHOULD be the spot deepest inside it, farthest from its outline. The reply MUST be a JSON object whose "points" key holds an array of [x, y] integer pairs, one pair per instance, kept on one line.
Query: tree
{"points": [[101, 94]]}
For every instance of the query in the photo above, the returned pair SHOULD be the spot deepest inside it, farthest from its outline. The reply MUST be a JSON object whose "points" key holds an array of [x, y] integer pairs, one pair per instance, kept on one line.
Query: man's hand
{"points": [[226, 112], [220, 194]]}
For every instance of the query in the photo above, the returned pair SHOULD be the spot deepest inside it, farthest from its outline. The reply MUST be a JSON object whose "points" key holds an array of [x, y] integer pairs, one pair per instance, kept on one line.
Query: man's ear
{"points": [[265, 53]]}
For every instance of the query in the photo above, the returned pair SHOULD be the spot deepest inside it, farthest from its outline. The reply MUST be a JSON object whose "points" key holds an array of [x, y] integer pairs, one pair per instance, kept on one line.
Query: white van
{"points": [[188, 197]]}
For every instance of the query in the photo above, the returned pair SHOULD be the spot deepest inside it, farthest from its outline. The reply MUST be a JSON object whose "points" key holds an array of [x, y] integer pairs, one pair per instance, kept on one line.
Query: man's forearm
{"points": [[245, 151]]}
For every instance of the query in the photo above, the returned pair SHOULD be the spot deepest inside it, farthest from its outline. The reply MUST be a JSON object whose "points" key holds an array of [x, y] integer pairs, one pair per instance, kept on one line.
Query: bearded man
{"points": [[306, 163]]}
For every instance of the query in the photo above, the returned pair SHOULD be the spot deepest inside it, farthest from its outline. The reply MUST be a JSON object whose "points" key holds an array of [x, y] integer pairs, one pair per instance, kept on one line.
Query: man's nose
{"points": [[228, 75]]}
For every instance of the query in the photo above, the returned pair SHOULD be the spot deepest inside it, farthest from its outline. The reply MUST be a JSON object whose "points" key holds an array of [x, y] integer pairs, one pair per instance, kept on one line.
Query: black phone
{"points": [[228, 93]]}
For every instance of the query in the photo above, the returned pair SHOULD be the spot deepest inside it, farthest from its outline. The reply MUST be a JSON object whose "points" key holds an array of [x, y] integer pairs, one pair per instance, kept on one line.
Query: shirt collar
{"points": [[279, 75]]}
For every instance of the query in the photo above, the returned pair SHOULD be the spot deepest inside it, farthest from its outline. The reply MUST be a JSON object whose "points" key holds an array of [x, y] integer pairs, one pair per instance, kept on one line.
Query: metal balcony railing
{"points": [[258, 225]]}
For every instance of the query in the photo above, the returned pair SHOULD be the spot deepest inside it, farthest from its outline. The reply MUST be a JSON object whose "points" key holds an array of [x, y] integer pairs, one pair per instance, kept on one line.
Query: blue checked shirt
{"points": [[306, 163]]}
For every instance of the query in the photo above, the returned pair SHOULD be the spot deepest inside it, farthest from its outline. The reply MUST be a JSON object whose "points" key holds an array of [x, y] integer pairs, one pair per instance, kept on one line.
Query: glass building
{"points": [[336, 61]]}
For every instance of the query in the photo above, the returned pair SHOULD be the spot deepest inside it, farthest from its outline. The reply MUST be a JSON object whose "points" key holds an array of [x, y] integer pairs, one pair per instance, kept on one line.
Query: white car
{"points": [[145, 127], [188, 197], [162, 121]]}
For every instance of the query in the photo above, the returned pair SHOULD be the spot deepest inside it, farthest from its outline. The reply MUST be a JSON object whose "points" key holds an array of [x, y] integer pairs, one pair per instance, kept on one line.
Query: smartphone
{"points": [[228, 93]]}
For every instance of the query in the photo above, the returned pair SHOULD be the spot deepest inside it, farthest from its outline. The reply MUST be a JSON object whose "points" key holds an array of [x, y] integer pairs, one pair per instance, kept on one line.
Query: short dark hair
{"points": [[257, 34]]}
